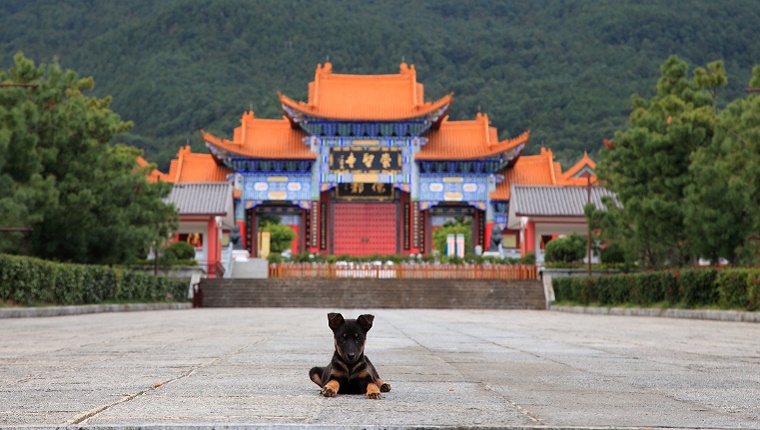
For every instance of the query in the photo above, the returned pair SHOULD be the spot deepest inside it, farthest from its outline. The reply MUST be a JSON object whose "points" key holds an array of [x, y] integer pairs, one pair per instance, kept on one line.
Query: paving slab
{"points": [[247, 368]]}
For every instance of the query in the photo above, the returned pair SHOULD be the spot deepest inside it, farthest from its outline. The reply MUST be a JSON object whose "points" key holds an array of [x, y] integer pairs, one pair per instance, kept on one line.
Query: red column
{"points": [[213, 249], [530, 238], [243, 236], [487, 235], [294, 246]]}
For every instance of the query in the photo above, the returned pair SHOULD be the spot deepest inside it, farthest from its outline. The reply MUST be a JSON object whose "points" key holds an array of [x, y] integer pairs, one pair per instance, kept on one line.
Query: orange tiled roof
{"points": [[155, 175], [195, 167], [576, 175], [264, 138], [529, 170], [366, 97], [467, 140], [541, 170]]}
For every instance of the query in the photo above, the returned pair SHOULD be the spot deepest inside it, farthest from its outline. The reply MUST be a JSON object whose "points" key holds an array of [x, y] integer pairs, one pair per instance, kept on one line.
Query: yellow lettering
{"points": [[367, 159], [385, 160]]}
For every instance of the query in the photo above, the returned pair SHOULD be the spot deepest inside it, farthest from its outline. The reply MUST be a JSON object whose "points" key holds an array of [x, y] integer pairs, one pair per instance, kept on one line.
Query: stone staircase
{"points": [[373, 293]]}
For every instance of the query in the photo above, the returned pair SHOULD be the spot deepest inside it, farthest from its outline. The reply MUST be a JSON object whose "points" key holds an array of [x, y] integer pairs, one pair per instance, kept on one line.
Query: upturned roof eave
{"points": [[238, 149], [515, 144], [415, 112]]}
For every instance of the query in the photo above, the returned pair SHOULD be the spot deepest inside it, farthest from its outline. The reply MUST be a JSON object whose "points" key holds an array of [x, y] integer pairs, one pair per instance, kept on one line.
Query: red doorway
{"points": [[365, 228]]}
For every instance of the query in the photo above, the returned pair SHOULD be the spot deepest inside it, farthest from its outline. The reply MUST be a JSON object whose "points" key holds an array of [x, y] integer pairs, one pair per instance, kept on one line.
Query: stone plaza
{"points": [[247, 368]]}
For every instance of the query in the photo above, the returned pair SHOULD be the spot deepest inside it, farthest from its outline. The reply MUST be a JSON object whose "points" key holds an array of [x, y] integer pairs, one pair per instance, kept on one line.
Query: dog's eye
{"points": [[345, 336], [356, 335]]}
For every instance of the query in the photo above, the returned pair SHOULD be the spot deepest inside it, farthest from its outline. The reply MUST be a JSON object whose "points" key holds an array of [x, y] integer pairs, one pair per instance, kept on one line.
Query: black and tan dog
{"points": [[350, 371]]}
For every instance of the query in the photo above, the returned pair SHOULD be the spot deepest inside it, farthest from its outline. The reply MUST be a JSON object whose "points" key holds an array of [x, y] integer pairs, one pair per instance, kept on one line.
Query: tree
{"points": [[280, 236], [649, 166], [723, 203], [24, 192], [87, 202], [712, 80], [609, 231]]}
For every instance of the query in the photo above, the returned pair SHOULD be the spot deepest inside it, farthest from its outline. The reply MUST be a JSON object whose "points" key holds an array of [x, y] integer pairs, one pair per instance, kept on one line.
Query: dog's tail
{"points": [[315, 374]]}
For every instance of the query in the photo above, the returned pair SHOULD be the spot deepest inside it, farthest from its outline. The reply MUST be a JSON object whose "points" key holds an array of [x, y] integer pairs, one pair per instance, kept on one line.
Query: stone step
{"points": [[373, 293]]}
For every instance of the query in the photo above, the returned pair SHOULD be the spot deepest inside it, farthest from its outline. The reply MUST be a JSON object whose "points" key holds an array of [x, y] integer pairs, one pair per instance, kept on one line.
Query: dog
{"points": [[350, 371]]}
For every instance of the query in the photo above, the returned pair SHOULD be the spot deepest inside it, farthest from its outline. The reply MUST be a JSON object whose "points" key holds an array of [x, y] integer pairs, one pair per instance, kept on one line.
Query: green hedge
{"points": [[689, 288], [27, 281], [739, 288]]}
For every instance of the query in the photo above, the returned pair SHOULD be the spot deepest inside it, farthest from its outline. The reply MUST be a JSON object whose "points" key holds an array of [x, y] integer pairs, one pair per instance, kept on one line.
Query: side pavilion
{"points": [[541, 213]]}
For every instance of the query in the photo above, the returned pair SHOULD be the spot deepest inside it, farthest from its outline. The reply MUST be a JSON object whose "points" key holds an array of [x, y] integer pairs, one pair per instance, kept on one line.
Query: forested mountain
{"points": [[564, 69]]}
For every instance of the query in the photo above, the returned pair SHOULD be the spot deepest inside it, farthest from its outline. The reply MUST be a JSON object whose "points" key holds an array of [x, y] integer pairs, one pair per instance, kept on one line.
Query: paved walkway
{"points": [[57, 311], [697, 314], [248, 368]]}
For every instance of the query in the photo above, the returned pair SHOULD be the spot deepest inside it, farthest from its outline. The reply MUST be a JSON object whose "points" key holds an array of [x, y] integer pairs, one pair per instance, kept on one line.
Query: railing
{"points": [[403, 271], [219, 270]]}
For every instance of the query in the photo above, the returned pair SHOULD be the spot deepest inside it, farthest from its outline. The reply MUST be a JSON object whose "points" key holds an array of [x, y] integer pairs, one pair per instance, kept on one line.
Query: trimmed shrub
{"points": [[728, 288], [698, 287], [179, 251], [28, 281], [753, 291], [563, 289], [68, 284], [587, 290], [732, 288], [567, 249], [611, 290], [613, 253], [528, 258]]}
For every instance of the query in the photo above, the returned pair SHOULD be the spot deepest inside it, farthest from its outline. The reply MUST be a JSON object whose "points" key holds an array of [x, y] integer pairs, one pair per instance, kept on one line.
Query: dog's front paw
{"points": [[385, 387], [374, 395], [327, 391]]}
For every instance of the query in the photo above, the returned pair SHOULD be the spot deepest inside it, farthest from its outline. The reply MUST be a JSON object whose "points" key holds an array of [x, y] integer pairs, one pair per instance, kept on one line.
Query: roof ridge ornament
{"points": [[326, 69], [408, 69]]}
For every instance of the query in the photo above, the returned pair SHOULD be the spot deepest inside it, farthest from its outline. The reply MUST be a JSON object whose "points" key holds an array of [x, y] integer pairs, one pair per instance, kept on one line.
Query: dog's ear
{"points": [[365, 321], [335, 320]]}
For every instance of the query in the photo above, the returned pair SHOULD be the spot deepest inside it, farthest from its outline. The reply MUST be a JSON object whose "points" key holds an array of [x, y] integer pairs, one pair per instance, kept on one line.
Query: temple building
{"points": [[367, 166]]}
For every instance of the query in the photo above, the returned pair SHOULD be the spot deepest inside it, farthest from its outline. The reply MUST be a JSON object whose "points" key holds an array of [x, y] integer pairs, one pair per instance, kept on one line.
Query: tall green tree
{"points": [[723, 203], [712, 79], [86, 200], [24, 191], [649, 166]]}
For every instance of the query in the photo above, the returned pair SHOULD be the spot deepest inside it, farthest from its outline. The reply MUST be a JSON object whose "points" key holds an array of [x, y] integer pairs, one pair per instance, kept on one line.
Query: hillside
{"points": [[564, 69]]}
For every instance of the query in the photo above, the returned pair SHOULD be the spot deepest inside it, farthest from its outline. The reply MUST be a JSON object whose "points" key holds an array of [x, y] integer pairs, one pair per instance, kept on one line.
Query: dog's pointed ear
{"points": [[335, 320], [365, 321]]}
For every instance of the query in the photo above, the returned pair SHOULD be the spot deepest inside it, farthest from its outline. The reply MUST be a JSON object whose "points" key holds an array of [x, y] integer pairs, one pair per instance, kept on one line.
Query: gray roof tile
{"points": [[211, 198], [530, 200]]}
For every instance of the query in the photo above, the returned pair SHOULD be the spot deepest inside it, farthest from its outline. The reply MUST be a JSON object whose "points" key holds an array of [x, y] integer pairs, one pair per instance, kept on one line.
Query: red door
{"points": [[364, 228]]}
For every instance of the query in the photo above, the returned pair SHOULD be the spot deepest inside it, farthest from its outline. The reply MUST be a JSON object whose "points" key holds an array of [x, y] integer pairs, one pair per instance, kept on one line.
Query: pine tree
{"points": [[85, 200], [649, 166], [723, 203]]}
